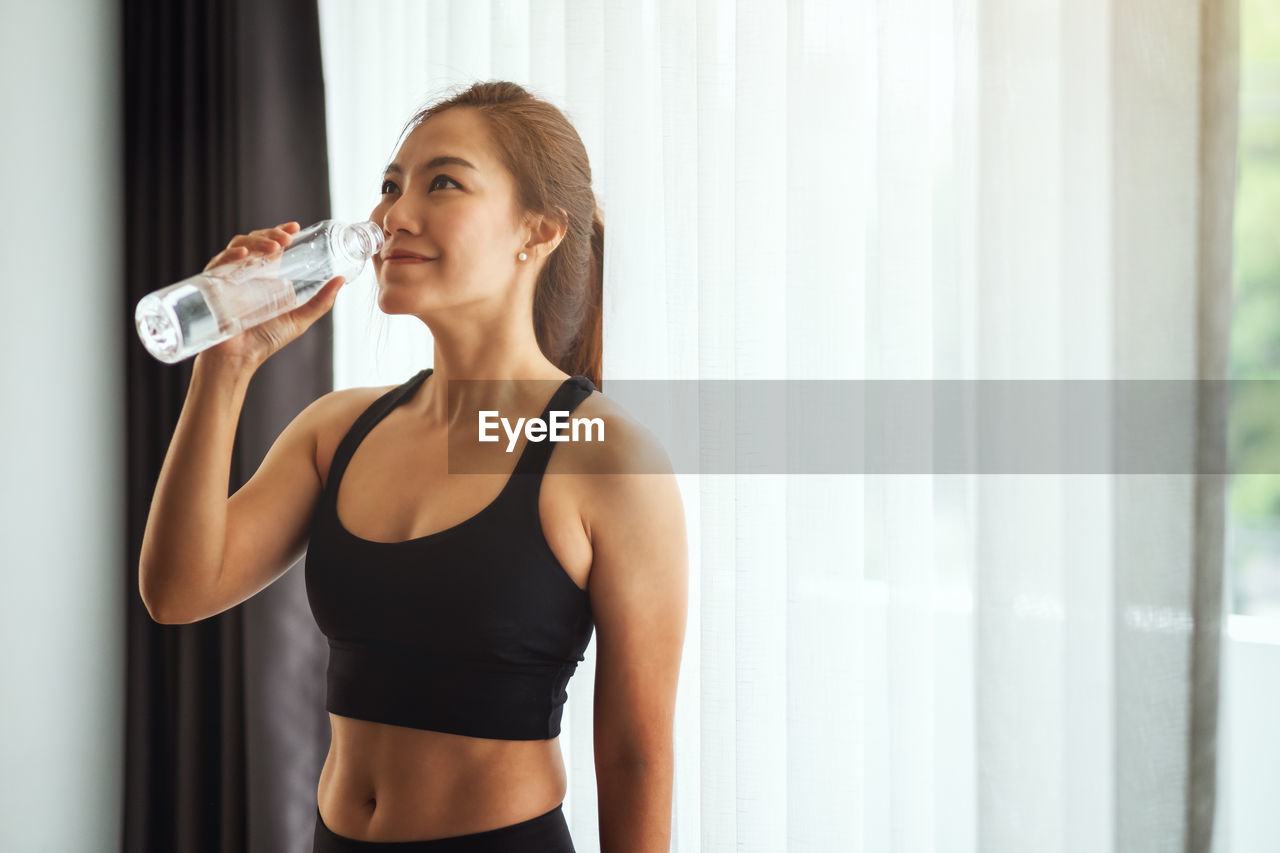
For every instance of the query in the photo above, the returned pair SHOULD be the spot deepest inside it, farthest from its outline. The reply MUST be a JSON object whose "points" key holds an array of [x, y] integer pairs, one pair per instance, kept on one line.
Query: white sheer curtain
{"points": [[890, 189]]}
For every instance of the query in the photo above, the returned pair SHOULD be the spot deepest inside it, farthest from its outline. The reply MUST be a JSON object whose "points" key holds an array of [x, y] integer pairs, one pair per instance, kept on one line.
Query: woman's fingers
{"points": [[258, 243], [232, 253], [327, 294], [281, 235], [266, 241], [268, 244], [317, 306], [227, 256]]}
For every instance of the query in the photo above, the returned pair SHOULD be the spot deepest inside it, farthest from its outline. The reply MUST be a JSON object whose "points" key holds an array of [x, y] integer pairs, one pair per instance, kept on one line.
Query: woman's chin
{"points": [[396, 300]]}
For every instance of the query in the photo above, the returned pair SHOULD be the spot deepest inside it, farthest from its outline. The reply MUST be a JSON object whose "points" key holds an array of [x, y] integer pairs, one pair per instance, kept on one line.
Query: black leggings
{"points": [[547, 833]]}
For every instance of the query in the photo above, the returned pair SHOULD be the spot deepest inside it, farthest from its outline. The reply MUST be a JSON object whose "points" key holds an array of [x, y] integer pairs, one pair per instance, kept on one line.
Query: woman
{"points": [[456, 604]]}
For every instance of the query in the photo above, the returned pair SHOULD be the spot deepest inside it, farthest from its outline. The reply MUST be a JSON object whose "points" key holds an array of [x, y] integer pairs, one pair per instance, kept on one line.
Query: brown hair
{"points": [[545, 155]]}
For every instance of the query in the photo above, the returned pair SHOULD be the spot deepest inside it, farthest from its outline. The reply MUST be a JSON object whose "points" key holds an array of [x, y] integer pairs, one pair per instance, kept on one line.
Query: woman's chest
{"points": [[401, 486]]}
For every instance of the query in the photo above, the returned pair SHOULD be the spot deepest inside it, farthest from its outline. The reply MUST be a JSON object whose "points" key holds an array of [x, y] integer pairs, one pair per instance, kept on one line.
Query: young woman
{"points": [[456, 604]]}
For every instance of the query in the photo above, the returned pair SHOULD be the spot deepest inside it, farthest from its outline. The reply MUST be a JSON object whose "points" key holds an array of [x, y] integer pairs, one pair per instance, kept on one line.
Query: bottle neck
{"points": [[359, 241]]}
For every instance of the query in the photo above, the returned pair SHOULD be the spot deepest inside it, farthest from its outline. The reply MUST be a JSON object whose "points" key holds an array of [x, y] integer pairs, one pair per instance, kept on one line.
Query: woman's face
{"points": [[446, 198]]}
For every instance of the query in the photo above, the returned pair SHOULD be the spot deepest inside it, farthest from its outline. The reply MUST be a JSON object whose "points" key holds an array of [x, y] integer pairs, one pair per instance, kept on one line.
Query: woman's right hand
{"points": [[256, 344]]}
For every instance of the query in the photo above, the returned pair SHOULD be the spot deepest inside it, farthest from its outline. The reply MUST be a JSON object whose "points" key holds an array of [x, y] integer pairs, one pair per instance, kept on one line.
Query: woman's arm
{"points": [[639, 598], [203, 552], [184, 538]]}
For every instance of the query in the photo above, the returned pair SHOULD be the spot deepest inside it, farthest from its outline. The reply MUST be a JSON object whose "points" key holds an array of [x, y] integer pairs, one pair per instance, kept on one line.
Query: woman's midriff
{"points": [[389, 783]]}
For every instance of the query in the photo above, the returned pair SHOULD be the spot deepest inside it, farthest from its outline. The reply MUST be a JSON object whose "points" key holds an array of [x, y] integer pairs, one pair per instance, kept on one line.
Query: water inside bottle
{"points": [[244, 304], [167, 332]]}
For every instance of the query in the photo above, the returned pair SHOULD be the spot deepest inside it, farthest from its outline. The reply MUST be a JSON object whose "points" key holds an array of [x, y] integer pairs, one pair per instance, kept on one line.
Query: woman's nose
{"points": [[399, 216]]}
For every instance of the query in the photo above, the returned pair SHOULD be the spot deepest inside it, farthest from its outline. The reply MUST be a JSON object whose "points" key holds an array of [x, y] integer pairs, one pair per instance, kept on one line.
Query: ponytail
{"points": [[585, 354]]}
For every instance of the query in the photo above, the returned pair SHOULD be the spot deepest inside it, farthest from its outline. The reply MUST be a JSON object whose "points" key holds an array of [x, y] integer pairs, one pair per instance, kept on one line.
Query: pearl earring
{"points": [[523, 256]]}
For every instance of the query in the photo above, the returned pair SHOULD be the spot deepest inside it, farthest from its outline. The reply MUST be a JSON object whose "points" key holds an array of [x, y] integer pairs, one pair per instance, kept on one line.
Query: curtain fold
{"points": [[936, 190], [1218, 146], [224, 133]]}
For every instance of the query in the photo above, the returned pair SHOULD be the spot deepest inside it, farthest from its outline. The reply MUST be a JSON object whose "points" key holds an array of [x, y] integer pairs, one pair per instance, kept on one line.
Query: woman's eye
{"points": [[390, 187]]}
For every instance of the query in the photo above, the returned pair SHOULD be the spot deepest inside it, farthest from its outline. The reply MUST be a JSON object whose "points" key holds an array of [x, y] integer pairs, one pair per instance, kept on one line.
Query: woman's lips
{"points": [[406, 259]]}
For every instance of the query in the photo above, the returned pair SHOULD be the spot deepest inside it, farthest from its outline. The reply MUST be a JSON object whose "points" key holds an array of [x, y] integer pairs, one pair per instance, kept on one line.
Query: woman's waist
{"points": [[396, 781]]}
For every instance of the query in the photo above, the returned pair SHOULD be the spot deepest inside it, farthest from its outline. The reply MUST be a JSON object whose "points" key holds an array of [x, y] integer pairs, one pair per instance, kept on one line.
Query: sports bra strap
{"points": [[536, 454], [368, 420]]}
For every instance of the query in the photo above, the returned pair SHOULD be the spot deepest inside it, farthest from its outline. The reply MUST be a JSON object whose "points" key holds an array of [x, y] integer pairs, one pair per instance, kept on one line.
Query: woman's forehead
{"points": [[455, 133]]}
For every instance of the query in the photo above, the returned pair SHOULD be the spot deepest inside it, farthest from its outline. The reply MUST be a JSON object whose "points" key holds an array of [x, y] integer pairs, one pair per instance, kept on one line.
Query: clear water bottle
{"points": [[180, 320]]}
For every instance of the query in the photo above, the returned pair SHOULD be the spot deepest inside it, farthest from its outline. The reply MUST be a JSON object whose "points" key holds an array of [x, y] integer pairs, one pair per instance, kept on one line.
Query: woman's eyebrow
{"points": [[445, 160]]}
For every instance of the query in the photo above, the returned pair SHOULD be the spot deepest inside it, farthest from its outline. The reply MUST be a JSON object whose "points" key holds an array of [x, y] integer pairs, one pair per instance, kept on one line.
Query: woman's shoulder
{"points": [[623, 444], [332, 416], [346, 404], [629, 484]]}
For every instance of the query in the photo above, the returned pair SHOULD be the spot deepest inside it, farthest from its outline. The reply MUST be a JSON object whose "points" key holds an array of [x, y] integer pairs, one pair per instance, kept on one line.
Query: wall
{"points": [[63, 332]]}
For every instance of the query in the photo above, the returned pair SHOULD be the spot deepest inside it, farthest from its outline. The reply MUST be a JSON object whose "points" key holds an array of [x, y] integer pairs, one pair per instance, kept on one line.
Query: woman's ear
{"points": [[546, 231]]}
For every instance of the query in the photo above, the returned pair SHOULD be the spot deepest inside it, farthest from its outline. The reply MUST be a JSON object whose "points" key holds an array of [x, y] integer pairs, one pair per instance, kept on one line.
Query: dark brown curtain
{"points": [[224, 133]]}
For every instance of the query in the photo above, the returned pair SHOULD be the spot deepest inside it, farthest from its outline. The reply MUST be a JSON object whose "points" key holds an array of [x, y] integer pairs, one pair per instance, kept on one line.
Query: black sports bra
{"points": [[474, 630]]}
